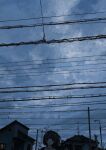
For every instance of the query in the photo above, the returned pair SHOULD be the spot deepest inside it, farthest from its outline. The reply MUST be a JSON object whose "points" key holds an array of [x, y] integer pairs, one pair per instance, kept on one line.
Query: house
{"points": [[14, 136], [80, 142]]}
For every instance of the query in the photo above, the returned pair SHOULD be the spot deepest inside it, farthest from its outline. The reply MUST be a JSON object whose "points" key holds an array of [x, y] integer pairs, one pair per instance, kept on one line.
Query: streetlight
{"points": [[100, 128]]}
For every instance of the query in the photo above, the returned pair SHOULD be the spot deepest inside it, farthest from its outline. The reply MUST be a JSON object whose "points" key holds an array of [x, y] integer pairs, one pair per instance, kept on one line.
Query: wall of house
{"points": [[79, 146], [85, 147], [8, 134], [6, 138], [26, 145]]}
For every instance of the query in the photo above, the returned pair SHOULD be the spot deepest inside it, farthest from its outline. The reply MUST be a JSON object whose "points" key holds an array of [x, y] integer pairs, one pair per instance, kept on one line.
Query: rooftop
{"points": [[79, 138], [13, 124]]}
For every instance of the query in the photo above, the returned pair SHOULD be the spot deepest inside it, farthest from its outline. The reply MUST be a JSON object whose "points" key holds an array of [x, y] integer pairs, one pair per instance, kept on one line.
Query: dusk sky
{"points": [[53, 64]]}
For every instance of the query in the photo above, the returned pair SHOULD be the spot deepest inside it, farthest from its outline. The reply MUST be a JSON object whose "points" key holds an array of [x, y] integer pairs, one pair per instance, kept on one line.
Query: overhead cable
{"points": [[39, 74], [53, 98], [54, 16], [54, 41], [55, 89], [55, 85], [97, 102], [56, 60], [50, 67], [68, 22]]}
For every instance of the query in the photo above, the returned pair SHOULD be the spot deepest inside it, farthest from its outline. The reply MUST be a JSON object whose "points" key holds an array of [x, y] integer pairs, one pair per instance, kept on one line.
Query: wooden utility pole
{"points": [[78, 130], [100, 128], [89, 124], [36, 140]]}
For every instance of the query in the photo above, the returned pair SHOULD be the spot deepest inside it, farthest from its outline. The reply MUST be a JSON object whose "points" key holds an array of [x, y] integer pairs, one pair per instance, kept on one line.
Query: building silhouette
{"points": [[14, 136], [80, 142]]}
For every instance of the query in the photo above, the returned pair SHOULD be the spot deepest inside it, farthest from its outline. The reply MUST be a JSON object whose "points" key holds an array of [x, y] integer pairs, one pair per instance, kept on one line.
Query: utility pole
{"points": [[78, 130], [36, 140], [100, 129], [42, 134], [100, 133], [89, 124], [43, 27]]}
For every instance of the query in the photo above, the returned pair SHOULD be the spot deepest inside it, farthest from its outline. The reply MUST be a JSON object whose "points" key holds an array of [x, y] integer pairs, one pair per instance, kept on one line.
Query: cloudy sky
{"points": [[42, 64]]}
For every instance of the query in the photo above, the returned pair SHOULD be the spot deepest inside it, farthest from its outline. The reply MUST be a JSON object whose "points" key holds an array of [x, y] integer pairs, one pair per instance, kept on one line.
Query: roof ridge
{"points": [[12, 123]]}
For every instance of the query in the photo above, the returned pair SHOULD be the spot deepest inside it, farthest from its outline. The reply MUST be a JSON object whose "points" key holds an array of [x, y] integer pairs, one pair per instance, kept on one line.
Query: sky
{"points": [[48, 56]]}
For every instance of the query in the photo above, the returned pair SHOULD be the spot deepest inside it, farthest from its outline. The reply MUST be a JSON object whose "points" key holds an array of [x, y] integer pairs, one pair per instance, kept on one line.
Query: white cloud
{"points": [[64, 6]]}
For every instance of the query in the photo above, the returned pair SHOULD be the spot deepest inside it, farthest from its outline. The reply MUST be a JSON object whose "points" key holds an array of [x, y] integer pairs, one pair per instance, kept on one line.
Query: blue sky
{"points": [[16, 9]]}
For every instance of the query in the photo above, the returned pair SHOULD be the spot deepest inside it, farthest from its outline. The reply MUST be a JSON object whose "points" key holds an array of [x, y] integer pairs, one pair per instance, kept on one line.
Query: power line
{"points": [[54, 41], [31, 128], [58, 105], [42, 111], [55, 85], [17, 117], [81, 130], [51, 118], [56, 59], [43, 118], [62, 124], [54, 16], [53, 97], [91, 70], [14, 68], [64, 129], [68, 22], [55, 119], [46, 71], [62, 73], [52, 67], [67, 129], [65, 104], [56, 124], [56, 89], [31, 113]]}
